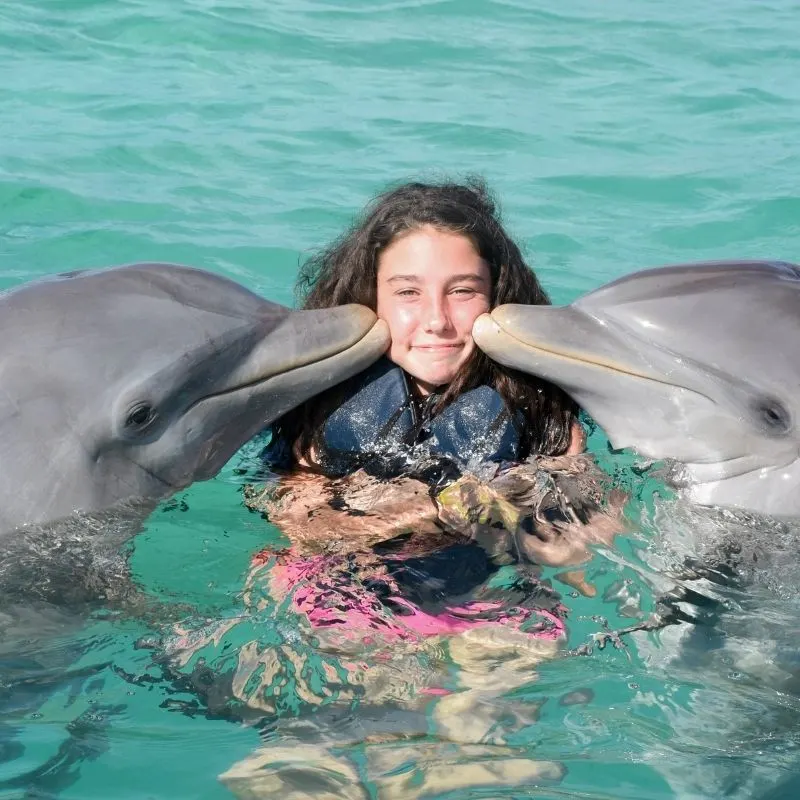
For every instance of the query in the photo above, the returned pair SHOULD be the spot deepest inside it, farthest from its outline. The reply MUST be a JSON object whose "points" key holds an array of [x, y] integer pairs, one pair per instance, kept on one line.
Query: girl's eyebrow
{"points": [[467, 276]]}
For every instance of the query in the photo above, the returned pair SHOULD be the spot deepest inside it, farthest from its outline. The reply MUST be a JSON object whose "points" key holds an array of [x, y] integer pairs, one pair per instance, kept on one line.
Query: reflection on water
{"points": [[322, 704]]}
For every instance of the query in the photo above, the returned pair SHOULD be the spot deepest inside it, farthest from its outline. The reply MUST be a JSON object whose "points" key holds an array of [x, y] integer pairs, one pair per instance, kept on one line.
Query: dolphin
{"points": [[121, 386], [695, 364]]}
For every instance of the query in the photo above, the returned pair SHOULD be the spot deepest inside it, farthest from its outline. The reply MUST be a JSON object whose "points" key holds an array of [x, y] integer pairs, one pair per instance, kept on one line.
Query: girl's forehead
{"points": [[431, 253]]}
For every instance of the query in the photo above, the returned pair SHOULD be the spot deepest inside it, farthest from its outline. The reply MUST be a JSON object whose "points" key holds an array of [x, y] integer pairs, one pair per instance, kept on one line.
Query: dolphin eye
{"points": [[140, 415], [773, 415]]}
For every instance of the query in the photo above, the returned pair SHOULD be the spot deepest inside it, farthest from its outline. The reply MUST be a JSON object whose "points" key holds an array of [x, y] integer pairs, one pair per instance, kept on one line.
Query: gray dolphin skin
{"points": [[126, 384], [695, 363]]}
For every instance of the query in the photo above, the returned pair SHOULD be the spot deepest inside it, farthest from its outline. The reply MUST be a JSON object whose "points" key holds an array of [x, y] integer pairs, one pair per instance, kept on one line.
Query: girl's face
{"points": [[432, 285]]}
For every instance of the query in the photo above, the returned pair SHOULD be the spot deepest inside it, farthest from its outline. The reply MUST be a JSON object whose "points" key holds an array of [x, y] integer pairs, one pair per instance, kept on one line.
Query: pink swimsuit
{"points": [[323, 589]]}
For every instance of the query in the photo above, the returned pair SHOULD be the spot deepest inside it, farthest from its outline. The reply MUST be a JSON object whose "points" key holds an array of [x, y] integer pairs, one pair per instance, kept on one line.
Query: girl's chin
{"points": [[428, 381]]}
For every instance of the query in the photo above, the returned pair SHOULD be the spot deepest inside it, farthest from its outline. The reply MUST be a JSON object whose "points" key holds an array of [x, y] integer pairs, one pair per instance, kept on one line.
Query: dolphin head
{"points": [[699, 364], [135, 381]]}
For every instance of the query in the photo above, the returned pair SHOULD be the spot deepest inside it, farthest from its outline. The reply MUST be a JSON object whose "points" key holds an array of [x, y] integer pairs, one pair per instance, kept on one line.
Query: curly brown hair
{"points": [[347, 272]]}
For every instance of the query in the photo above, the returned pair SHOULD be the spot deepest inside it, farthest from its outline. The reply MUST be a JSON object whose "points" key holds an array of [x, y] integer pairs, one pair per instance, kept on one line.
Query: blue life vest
{"points": [[379, 427]]}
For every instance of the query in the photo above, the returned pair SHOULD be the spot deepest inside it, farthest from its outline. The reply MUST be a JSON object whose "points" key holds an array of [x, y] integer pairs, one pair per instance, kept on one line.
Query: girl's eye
{"points": [[463, 291], [406, 293]]}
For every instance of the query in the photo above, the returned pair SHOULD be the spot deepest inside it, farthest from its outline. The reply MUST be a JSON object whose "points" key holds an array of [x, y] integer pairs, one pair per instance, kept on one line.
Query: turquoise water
{"points": [[239, 137]]}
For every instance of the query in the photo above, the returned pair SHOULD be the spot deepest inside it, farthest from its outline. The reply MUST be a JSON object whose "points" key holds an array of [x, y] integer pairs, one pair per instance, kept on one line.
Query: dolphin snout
{"points": [[351, 337], [514, 315], [305, 337], [504, 335], [485, 327]]}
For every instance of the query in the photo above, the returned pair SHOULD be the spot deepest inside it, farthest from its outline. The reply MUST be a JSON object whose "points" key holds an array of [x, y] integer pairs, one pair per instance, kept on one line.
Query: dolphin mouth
{"points": [[517, 341], [299, 363], [601, 368], [373, 341], [489, 331]]}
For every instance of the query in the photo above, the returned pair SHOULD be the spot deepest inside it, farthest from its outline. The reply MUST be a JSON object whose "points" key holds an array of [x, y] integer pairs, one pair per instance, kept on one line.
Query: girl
{"points": [[429, 258]]}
